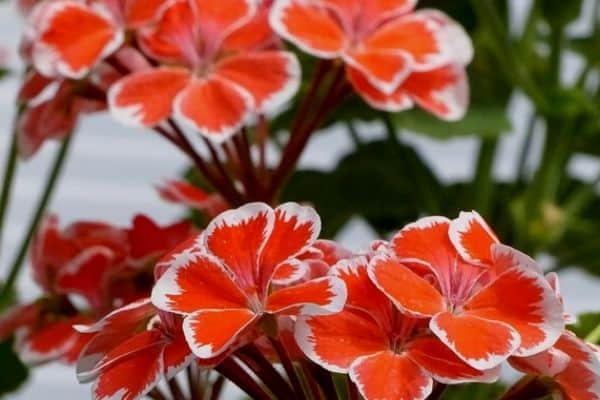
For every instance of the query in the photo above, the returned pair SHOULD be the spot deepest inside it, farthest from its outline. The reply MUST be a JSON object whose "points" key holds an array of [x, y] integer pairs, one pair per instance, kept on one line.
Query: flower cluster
{"points": [[104, 265], [259, 276], [154, 61]]}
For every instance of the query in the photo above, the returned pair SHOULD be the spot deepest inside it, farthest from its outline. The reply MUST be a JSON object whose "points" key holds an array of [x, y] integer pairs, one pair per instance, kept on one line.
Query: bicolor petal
{"points": [[390, 376], [335, 341], [394, 102], [197, 281], [473, 238], [493, 343], [308, 26], [407, 290], [536, 314], [72, 38], [383, 69], [271, 77], [226, 107], [209, 333], [146, 98], [319, 296], [445, 366]]}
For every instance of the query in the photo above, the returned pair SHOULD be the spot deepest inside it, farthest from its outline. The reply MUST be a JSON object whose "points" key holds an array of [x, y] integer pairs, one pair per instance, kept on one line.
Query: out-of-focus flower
{"points": [[219, 54], [371, 336], [71, 37], [427, 277], [395, 56], [221, 281], [131, 350], [572, 363], [181, 192]]}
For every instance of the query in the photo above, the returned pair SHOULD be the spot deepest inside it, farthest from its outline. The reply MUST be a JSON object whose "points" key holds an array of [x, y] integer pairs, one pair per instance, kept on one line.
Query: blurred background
{"points": [[526, 157]]}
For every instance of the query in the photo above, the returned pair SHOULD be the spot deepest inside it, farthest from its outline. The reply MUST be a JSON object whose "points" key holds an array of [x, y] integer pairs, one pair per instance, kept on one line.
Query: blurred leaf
{"points": [[475, 391], [559, 13], [487, 122], [386, 183], [586, 323], [14, 372]]}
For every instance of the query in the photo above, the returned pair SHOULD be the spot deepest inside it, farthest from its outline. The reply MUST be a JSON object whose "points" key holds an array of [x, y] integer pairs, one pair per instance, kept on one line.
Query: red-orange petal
{"points": [[493, 342], [271, 77], [218, 18], [444, 92], [473, 238], [335, 341], [225, 107], [395, 102], [145, 98], [197, 281], [415, 35], [383, 69], [390, 376], [142, 12], [536, 314], [407, 290], [144, 361], [237, 236], [210, 332], [441, 362], [73, 37], [316, 297], [310, 27]]}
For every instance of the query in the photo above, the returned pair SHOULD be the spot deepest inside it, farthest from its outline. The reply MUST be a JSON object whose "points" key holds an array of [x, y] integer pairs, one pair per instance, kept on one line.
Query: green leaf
{"points": [[482, 121], [475, 391], [386, 183], [559, 13], [586, 324], [14, 372]]}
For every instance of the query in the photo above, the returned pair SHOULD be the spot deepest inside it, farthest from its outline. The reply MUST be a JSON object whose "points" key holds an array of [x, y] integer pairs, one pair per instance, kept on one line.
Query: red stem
{"points": [[217, 387], [314, 387], [352, 389], [263, 135], [256, 361], [323, 378], [176, 392], [238, 375], [196, 389], [242, 146], [299, 138], [288, 365]]}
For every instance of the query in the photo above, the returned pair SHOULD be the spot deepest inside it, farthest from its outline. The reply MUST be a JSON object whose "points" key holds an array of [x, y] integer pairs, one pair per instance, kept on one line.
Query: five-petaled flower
{"points": [[221, 280], [395, 56], [389, 355], [222, 66], [427, 274]]}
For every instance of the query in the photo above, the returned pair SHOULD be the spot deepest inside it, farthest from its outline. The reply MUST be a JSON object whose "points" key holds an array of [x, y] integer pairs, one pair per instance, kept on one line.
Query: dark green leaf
{"points": [[560, 12], [14, 372], [476, 391]]}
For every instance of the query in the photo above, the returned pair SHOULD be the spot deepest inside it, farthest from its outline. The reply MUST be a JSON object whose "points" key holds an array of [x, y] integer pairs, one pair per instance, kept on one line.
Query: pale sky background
{"points": [[111, 171]]}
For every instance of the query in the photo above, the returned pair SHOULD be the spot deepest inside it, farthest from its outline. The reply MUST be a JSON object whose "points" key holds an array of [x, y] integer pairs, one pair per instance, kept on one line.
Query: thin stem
{"points": [[10, 168], [526, 148], [288, 365], [299, 138], [248, 170], [252, 357], [233, 371], [217, 387], [352, 389], [323, 378], [315, 390], [483, 184], [216, 159], [263, 135], [508, 57], [156, 394], [196, 389], [175, 389], [53, 176], [438, 391]]}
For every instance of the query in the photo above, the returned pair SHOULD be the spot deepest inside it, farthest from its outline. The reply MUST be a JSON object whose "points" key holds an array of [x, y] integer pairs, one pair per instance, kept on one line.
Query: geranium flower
{"points": [[131, 350], [427, 277], [222, 69], [572, 363], [71, 37], [221, 281], [388, 355], [394, 56]]}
